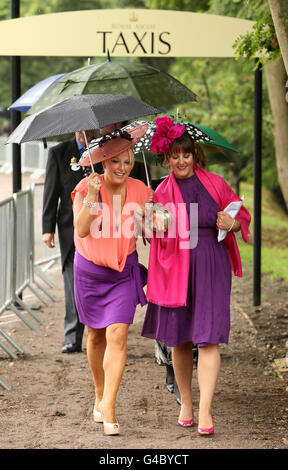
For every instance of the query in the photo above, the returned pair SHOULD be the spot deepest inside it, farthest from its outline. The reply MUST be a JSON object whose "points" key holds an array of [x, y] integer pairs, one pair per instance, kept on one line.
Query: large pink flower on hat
{"points": [[166, 131]]}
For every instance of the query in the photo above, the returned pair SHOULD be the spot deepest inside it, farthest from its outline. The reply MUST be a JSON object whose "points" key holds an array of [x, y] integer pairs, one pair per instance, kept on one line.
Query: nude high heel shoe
{"points": [[97, 416], [110, 429]]}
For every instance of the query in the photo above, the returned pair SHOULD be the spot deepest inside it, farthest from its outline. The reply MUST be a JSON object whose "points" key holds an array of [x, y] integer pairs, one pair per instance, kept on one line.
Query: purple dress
{"points": [[206, 317], [104, 296]]}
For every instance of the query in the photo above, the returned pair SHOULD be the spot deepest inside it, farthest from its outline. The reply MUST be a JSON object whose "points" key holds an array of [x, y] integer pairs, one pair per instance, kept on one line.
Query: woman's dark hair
{"points": [[184, 143]]}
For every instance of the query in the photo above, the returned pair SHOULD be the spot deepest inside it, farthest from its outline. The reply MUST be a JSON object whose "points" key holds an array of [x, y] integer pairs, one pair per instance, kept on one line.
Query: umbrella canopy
{"points": [[136, 79], [31, 96], [80, 113], [143, 144], [218, 149], [215, 146]]}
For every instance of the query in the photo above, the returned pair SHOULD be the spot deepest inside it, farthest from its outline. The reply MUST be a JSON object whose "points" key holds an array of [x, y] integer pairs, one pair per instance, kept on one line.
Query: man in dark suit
{"points": [[62, 175]]}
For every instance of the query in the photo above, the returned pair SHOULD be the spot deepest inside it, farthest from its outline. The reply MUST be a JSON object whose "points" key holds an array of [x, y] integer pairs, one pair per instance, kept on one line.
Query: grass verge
{"points": [[274, 225]]}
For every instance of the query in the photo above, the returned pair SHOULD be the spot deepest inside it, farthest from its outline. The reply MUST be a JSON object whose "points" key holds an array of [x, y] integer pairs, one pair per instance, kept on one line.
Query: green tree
{"points": [[180, 5], [279, 12], [263, 43]]}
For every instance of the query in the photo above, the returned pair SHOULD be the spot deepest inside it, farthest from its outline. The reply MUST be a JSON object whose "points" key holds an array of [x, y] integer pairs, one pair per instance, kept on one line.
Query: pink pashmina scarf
{"points": [[168, 262]]}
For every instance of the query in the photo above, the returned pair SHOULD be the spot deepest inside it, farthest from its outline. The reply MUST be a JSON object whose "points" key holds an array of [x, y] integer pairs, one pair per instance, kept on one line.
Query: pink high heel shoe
{"points": [[206, 431], [186, 423]]}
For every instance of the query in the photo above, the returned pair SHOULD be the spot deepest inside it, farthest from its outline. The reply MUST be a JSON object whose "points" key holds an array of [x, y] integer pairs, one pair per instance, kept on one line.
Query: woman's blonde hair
{"points": [[184, 143], [131, 156]]}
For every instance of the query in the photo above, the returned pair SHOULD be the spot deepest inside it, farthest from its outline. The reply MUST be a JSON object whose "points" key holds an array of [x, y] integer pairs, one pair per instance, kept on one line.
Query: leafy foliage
{"points": [[261, 42], [179, 5], [225, 93]]}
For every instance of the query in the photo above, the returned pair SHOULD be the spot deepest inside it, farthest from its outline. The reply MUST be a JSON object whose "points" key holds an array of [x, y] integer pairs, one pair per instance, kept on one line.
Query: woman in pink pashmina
{"points": [[189, 273]]}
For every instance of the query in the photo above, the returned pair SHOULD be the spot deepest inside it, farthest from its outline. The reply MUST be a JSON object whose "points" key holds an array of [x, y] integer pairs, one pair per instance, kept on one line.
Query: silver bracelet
{"points": [[89, 204], [229, 230]]}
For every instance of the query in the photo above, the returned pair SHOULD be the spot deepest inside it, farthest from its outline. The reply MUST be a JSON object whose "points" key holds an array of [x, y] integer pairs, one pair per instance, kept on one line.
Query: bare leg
{"points": [[113, 364], [96, 345], [208, 371], [182, 359]]}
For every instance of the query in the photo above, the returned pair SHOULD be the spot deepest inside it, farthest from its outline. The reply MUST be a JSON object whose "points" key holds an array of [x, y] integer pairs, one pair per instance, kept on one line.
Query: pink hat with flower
{"points": [[111, 145], [166, 132]]}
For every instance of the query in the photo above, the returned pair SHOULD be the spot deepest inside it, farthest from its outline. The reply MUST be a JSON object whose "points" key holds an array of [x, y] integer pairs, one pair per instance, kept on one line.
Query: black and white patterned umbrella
{"points": [[143, 144]]}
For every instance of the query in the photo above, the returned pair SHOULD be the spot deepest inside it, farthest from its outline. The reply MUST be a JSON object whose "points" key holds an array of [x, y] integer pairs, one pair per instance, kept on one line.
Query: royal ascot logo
{"points": [[134, 38], [133, 18]]}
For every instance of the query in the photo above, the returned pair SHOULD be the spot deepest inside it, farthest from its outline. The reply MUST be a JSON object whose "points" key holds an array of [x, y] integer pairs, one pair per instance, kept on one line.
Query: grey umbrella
{"points": [[79, 113]]}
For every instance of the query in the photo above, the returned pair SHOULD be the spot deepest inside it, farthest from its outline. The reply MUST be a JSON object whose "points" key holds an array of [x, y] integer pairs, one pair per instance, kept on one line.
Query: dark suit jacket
{"points": [[60, 181], [57, 203]]}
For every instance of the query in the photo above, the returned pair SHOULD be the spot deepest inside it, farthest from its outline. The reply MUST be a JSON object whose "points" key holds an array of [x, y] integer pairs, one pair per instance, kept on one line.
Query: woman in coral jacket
{"points": [[189, 272], [108, 279]]}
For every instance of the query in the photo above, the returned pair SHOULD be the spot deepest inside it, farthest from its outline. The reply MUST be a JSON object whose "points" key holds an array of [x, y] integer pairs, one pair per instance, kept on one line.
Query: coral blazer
{"points": [[105, 245]]}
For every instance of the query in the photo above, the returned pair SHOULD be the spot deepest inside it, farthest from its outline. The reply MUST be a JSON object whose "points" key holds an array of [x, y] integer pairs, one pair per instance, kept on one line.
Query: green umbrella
{"points": [[218, 149], [142, 81]]}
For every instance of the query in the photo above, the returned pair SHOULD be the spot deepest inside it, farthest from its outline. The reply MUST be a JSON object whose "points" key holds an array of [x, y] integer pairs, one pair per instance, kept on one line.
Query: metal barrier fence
{"points": [[7, 217], [33, 156], [7, 268], [41, 253], [20, 234], [6, 255]]}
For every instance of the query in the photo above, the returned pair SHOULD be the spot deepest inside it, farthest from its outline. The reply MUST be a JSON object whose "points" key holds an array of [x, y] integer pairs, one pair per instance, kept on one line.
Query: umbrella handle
{"points": [[177, 115], [87, 146], [146, 170]]}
